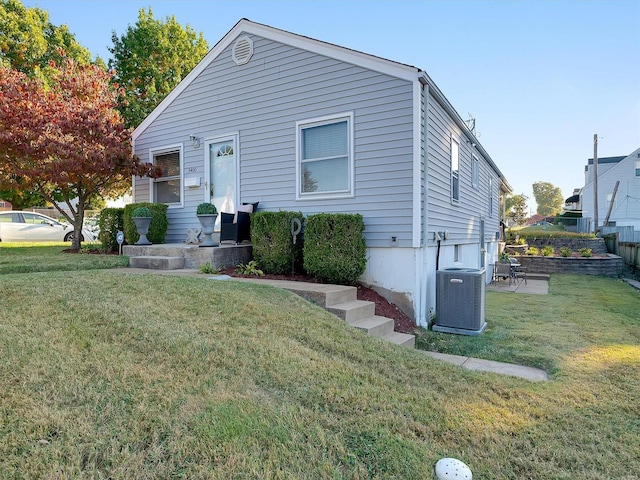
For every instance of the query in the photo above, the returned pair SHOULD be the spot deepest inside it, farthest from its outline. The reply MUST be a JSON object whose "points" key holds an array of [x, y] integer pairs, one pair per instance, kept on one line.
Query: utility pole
{"points": [[595, 183]]}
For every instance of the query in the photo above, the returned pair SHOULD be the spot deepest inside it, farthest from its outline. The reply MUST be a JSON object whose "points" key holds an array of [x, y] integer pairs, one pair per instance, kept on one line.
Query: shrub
{"points": [[110, 221], [334, 247], [533, 251], [548, 250], [157, 229], [273, 246], [565, 251], [585, 252], [206, 209]]}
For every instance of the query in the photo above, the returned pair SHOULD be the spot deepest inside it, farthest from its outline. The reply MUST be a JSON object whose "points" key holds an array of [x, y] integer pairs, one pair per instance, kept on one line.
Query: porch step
{"points": [[342, 301], [402, 339], [157, 262], [361, 315], [375, 326], [353, 310]]}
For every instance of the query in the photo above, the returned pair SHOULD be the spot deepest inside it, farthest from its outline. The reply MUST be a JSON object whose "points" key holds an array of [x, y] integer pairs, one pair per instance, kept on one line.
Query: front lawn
{"points": [[114, 375]]}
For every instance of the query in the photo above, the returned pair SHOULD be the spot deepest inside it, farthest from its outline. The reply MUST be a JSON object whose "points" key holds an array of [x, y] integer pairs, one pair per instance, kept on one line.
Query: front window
{"points": [[325, 159], [168, 187], [637, 168], [455, 171]]}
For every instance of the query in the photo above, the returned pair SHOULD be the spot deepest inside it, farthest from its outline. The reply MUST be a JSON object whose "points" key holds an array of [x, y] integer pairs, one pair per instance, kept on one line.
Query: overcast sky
{"points": [[540, 77]]}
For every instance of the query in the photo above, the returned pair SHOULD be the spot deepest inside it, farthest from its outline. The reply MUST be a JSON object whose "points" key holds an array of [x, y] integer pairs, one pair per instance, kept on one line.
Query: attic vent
{"points": [[242, 50]]}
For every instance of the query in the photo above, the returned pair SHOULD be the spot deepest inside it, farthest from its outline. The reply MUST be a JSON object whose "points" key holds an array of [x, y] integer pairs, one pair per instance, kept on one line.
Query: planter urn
{"points": [[208, 221], [142, 227]]}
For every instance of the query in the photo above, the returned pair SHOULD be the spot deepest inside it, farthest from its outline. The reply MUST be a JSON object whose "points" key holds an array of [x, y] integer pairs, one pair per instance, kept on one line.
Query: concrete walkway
{"points": [[528, 373]]}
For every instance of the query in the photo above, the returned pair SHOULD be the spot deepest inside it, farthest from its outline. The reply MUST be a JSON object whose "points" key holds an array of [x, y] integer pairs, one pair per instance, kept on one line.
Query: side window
{"points": [[475, 172], [637, 168], [325, 158], [168, 188], [455, 171]]}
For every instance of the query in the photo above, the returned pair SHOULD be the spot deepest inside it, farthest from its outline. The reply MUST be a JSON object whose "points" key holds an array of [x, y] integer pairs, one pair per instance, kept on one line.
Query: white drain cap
{"points": [[452, 469]]}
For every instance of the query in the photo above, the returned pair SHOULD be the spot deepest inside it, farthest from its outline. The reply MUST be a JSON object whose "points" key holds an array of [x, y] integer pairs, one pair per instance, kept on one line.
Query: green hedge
{"points": [[273, 246], [334, 247], [157, 229], [110, 221]]}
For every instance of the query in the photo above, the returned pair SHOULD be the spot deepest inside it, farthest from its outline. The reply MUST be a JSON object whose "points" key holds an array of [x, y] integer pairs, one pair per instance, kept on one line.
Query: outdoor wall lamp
{"points": [[195, 141]]}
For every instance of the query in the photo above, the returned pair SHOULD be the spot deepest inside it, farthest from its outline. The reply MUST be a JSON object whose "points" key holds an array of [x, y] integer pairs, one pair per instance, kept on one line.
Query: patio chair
{"points": [[520, 273], [502, 270]]}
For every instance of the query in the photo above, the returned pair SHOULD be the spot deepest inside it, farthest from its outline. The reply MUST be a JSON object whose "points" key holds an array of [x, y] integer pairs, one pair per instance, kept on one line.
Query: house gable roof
{"points": [[618, 162], [244, 26], [365, 60]]}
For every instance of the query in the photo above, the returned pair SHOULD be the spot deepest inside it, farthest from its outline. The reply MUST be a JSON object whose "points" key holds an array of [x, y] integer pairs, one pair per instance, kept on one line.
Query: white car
{"points": [[34, 227]]}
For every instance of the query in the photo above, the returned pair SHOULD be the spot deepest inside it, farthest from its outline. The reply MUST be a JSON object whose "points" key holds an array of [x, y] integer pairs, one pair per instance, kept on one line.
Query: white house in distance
{"points": [[625, 211], [299, 124]]}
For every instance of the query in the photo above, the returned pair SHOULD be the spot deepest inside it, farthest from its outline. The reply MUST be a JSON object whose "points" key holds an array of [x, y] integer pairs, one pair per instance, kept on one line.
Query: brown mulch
{"points": [[384, 308]]}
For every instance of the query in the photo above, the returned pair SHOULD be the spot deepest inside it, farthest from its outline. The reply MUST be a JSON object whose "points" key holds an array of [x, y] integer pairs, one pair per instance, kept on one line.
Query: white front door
{"points": [[222, 181]]}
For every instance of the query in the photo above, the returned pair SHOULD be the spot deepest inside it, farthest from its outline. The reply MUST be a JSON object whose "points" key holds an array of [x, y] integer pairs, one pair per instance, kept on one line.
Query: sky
{"points": [[539, 77]]}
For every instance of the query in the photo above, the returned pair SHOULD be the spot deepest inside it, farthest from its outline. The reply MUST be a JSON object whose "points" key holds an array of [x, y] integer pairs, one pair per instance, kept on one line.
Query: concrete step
{"points": [[375, 326], [353, 310], [402, 339], [157, 262]]}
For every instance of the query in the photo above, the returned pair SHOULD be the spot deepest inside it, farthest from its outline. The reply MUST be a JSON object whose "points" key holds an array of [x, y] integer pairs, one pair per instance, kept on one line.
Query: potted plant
{"points": [[142, 218], [207, 214]]}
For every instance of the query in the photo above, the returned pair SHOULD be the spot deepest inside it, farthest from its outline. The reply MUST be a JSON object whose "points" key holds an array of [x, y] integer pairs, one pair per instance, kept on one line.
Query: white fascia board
{"points": [[364, 60]]}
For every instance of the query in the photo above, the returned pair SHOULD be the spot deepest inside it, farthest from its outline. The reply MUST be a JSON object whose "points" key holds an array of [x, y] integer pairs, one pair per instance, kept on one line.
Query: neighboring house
{"points": [[572, 204], [625, 210], [298, 124]]}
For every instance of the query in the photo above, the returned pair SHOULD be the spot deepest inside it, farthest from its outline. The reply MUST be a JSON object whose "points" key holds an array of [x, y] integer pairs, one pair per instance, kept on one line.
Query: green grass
{"points": [[541, 331], [115, 375], [50, 257]]}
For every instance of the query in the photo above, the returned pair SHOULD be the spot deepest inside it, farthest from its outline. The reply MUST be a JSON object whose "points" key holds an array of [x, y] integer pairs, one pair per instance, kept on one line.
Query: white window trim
{"points": [[454, 201], [636, 168], [314, 122], [167, 149]]}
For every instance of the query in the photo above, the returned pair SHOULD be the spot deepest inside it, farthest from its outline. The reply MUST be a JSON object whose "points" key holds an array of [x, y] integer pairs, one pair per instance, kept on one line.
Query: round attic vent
{"points": [[242, 50]]}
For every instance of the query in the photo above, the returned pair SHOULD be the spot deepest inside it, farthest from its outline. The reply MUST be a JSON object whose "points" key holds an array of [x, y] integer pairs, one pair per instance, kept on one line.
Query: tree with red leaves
{"points": [[65, 139]]}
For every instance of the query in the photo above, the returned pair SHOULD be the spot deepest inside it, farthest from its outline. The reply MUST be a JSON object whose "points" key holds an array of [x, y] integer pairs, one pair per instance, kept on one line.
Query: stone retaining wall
{"points": [[609, 265], [597, 245]]}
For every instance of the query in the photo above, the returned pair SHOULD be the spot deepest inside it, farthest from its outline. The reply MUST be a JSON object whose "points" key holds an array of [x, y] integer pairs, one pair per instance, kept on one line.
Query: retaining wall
{"points": [[609, 265], [597, 245]]}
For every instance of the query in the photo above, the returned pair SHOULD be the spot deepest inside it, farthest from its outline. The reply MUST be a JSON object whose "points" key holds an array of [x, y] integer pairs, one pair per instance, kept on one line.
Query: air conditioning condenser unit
{"points": [[460, 301]]}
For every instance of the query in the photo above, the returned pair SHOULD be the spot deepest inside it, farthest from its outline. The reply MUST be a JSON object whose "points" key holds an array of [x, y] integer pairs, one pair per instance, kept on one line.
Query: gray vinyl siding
{"points": [[262, 101], [460, 219]]}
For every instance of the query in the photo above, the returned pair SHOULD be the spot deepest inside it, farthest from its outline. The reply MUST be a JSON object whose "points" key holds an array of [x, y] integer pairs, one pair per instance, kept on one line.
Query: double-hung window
{"points": [[455, 171], [168, 187], [325, 157], [637, 170]]}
